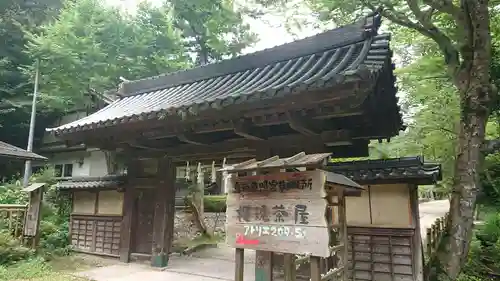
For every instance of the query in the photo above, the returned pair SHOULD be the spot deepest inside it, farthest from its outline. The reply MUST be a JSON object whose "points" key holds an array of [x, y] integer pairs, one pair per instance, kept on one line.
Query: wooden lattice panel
{"points": [[108, 237], [96, 234], [380, 257], [81, 233]]}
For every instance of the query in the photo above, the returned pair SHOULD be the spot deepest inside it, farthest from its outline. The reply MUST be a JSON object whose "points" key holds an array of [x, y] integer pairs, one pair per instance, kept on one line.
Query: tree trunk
{"points": [[475, 88], [472, 79]]}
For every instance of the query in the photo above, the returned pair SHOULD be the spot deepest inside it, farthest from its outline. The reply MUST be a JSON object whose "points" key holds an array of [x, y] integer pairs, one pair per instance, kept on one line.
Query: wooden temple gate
{"points": [[329, 93]]}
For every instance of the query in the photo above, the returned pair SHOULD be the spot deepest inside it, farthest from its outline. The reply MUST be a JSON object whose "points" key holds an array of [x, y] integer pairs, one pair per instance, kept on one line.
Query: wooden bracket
{"points": [[191, 139], [243, 128], [300, 125]]}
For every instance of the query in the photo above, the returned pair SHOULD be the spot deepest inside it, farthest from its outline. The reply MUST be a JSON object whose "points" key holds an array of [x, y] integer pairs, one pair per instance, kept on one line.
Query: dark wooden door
{"points": [[143, 236]]}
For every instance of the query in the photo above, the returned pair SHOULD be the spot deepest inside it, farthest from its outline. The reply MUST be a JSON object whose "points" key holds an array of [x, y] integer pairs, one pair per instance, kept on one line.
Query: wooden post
{"points": [[239, 264], [429, 242], [164, 213], [263, 266], [435, 235], [200, 193], [315, 268], [129, 210], [343, 233], [419, 254], [289, 267], [439, 227]]}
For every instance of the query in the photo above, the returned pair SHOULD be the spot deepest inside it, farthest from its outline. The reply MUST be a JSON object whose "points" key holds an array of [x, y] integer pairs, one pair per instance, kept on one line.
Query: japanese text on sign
{"points": [[273, 230], [277, 214], [273, 183]]}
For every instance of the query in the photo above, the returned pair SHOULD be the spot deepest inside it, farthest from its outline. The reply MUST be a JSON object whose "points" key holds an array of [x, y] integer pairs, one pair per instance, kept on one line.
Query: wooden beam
{"points": [[244, 148], [235, 145], [299, 124], [244, 128]]}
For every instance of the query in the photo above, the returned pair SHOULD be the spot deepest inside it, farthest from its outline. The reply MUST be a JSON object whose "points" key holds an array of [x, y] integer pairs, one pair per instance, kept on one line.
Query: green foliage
{"points": [[212, 30], [16, 18], [214, 203], [91, 45], [483, 262], [490, 179], [25, 270], [11, 250], [54, 229]]}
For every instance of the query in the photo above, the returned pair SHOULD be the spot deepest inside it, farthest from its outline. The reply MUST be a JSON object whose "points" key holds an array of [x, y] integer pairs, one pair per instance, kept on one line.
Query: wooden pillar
{"points": [[343, 238], [164, 214], [127, 224]]}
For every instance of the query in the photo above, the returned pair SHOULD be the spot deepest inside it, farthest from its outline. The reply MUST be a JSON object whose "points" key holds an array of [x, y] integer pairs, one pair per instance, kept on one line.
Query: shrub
{"points": [[54, 239], [214, 203], [11, 250], [484, 255], [490, 180]]}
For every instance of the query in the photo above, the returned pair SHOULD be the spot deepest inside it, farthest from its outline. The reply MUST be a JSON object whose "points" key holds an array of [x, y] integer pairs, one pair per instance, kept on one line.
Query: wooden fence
{"points": [[434, 235], [12, 216]]}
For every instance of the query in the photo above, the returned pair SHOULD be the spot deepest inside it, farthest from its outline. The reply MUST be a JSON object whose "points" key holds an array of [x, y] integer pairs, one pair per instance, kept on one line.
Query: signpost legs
{"points": [[239, 264], [263, 266], [289, 267], [315, 268]]}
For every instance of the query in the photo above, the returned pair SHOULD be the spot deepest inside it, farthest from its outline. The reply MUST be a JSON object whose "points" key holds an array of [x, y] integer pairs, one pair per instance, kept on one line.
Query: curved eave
{"points": [[362, 61]]}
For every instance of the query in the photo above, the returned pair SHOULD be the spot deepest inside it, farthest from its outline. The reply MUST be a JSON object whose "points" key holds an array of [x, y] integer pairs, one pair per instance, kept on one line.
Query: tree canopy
{"points": [[91, 45]]}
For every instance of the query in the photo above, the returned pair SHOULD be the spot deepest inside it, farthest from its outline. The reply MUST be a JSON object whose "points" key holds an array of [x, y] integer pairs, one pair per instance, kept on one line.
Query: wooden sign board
{"points": [[281, 212], [32, 217]]}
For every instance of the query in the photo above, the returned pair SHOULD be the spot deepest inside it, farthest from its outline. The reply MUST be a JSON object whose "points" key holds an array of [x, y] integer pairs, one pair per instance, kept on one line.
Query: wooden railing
{"points": [[434, 235], [12, 215]]}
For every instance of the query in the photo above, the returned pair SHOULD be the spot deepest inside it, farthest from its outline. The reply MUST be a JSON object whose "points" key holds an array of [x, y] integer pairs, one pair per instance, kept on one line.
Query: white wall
{"points": [[97, 163], [94, 162]]}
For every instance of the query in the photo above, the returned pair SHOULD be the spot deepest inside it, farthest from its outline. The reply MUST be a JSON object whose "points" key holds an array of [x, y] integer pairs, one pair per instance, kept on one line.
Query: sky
{"points": [[270, 28]]}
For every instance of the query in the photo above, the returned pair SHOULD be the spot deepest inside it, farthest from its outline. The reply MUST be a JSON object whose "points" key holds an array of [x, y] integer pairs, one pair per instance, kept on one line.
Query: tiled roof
{"points": [[90, 182], [397, 169], [14, 152], [353, 52], [299, 160]]}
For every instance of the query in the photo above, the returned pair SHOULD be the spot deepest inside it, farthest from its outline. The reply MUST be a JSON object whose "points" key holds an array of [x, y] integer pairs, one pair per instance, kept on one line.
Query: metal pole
{"points": [[27, 166]]}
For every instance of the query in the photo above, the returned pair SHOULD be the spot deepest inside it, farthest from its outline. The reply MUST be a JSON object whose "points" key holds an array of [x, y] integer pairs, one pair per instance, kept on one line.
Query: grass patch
{"points": [[37, 269]]}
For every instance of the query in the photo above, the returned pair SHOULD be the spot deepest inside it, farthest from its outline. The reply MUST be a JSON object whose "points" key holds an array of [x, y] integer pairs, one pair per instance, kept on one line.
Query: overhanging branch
{"points": [[425, 27]]}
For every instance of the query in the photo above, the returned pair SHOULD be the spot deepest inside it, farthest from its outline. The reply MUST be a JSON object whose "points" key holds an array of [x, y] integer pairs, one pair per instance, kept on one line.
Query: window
{"points": [[58, 169], [63, 170], [68, 170]]}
